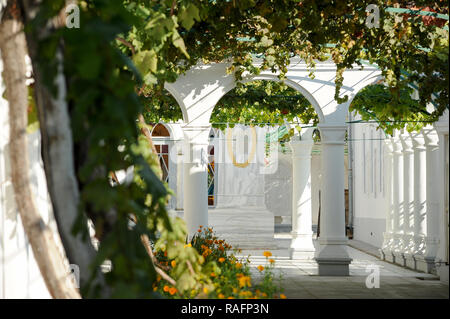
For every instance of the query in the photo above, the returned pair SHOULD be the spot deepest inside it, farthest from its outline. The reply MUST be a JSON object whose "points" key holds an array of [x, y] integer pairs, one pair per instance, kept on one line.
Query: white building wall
{"points": [[369, 210], [19, 275]]}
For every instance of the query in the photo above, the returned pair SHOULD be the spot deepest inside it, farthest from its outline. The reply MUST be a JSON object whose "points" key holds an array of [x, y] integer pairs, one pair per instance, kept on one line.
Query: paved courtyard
{"points": [[300, 277]]}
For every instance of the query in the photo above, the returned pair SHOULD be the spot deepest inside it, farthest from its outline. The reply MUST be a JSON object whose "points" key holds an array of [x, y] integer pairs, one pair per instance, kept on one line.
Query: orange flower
{"points": [[238, 265], [244, 281], [221, 296], [166, 288], [267, 254], [173, 263], [172, 291], [260, 268], [230, 297], [188, 245], [282, 296], [205, 290], [213, 274], [221, 259], [165, 254], [272, 261]]}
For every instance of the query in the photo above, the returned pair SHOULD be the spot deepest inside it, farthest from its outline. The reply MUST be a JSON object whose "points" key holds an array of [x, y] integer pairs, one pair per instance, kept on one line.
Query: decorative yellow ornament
{"points": [[230, 148]]}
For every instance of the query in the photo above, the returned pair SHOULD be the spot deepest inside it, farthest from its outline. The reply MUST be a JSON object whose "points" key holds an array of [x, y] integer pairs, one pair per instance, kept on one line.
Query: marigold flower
{"points": [[283, 296], [205, 290], [221, 259], [221, 296], [166, 288], [272, 261], [172, 291], [244, 281], [213, 274], [267, 254], [260, 268], [155, 288], [231, 297], [173, 263], [238, 265]]}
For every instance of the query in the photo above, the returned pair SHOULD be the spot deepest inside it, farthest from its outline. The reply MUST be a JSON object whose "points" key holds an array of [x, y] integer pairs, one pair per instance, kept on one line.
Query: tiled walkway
{"points": [[300, 279]]}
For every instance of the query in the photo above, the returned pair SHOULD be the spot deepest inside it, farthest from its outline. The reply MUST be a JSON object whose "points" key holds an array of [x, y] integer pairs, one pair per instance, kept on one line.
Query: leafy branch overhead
{"points": [[115, 66]]}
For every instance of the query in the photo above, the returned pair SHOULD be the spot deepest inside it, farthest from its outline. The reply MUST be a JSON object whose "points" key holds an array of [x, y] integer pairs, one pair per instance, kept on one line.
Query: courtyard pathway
{"points": [[300, 278]]}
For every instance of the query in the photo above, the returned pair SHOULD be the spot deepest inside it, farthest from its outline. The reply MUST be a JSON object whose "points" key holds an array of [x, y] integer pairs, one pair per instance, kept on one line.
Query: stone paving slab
{"points": [[300, 279]]}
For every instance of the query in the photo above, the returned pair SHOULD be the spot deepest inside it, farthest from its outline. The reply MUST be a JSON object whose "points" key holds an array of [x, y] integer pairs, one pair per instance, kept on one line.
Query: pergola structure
{"points": [[199, 90]]}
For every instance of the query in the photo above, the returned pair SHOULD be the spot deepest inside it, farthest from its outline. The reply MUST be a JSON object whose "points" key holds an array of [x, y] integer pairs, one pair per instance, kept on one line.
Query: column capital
{"points": [[418, 140], [442, 125], [407, 142], [301, 148], [197, 134], [431, 136], [389, 143], [396, 145], [332, 133]]}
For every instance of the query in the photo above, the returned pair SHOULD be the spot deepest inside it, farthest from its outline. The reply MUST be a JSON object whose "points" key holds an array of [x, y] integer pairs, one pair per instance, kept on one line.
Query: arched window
{"points": [[211, 169], [161, 137]]}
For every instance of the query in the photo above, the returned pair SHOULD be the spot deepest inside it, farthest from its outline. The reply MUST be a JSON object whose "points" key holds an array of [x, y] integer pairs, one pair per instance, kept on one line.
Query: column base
{"points": [[399, 258], [302, 246], [334, 266], [425, 264], [442, 272], [410, 262], [386, 254], [333, 258]]}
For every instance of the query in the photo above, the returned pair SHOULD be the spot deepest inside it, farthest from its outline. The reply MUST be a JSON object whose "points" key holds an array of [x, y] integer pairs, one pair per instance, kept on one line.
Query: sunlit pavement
{"points": [[299, 278]]}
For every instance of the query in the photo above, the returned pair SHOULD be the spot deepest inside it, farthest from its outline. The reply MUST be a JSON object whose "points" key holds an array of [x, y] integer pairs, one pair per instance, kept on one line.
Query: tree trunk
{"points": [[50, 262], [58, 156]]}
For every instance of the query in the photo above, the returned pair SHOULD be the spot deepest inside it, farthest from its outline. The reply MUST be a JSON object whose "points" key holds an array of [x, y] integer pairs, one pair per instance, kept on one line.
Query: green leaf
{"points": [[146, 61], [188, 15], [178, 42]]}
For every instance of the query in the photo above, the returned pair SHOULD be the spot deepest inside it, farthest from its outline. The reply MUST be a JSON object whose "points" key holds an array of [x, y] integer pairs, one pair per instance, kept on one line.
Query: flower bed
{"points": [[229, 276]]}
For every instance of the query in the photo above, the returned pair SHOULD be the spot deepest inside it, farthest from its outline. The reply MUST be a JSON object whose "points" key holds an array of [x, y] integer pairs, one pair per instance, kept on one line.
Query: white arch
{"points": [[370, 81], [294, 85]]}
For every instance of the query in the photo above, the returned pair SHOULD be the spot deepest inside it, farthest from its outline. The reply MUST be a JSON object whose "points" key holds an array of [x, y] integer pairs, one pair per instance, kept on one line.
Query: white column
{"points": [[442, 186], [397, 200], [408, 198], [302, 246], [433, 189], [388, 236], [195, 177], [178, 163], [420, 195], [332, 256]]}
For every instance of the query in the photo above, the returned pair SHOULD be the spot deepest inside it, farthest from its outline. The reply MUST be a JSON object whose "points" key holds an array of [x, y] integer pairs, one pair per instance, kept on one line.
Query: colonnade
{"points": [[332, 256], [415, 203]]}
